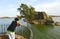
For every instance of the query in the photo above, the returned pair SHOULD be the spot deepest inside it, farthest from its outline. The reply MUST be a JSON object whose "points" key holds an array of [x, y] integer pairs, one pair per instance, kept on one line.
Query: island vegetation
{"points": [[34, 17]]}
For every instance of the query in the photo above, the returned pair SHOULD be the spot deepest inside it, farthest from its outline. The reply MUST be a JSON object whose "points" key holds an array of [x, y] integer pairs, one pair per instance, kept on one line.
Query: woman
{"points": [[11, 28]]}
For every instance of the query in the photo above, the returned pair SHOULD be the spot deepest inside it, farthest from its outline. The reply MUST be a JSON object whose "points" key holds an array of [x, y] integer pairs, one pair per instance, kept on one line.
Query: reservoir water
{"points": [[39, 31]]}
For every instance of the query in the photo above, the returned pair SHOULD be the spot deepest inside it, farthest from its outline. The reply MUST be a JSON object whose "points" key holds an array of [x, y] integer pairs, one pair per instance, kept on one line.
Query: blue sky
{"points": [[9, 7]]}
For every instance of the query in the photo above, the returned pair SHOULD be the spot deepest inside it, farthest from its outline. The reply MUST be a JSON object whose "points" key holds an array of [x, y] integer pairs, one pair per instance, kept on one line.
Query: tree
{"points": [[27, 11], [32, 12], [24, 9]]}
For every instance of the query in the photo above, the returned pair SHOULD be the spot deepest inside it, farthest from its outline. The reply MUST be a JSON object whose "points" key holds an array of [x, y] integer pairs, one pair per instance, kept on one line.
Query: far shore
{"points": [[55, 16], [7, 17], [14, 17]]}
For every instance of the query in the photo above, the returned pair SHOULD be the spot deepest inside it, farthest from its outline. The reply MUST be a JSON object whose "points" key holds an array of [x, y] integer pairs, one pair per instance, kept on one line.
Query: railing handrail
{"points": [[5, 26]]}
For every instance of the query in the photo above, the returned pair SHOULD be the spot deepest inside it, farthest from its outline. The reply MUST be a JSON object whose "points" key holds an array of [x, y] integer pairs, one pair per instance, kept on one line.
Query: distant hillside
{"points": [[54, 16], [6, 17]]}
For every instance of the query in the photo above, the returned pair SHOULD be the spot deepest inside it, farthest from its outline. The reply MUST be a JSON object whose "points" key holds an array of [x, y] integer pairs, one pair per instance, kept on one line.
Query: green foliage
{"points": [[32, 12], [19, 16], [27, 11]]}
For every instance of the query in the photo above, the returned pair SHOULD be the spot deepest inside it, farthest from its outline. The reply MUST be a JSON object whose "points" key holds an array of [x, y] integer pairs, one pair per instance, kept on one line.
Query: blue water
{"points": [[9, 20], [5, 22], [39, 31]]}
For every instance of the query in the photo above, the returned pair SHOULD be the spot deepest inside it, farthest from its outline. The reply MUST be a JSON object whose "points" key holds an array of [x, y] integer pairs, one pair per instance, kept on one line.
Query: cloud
{"points": [[9, 10], [51, 8], [28, 2]]}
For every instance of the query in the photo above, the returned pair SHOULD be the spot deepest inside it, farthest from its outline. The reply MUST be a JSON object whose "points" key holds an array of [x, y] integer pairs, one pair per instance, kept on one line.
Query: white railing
{"points": [[19, 30], [3, 28]]}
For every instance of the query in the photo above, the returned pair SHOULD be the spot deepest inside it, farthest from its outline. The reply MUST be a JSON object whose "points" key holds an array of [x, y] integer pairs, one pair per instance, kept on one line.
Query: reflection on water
{"points": [[39, 31], [45, 32], [43, 28]]}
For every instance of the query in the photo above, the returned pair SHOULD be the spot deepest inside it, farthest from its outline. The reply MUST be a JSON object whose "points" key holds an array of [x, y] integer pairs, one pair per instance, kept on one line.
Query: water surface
{"points": [[39, 31]]}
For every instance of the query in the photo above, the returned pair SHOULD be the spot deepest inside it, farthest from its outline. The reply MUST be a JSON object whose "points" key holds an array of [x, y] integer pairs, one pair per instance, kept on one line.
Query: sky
{"points": [[9, 7]]}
